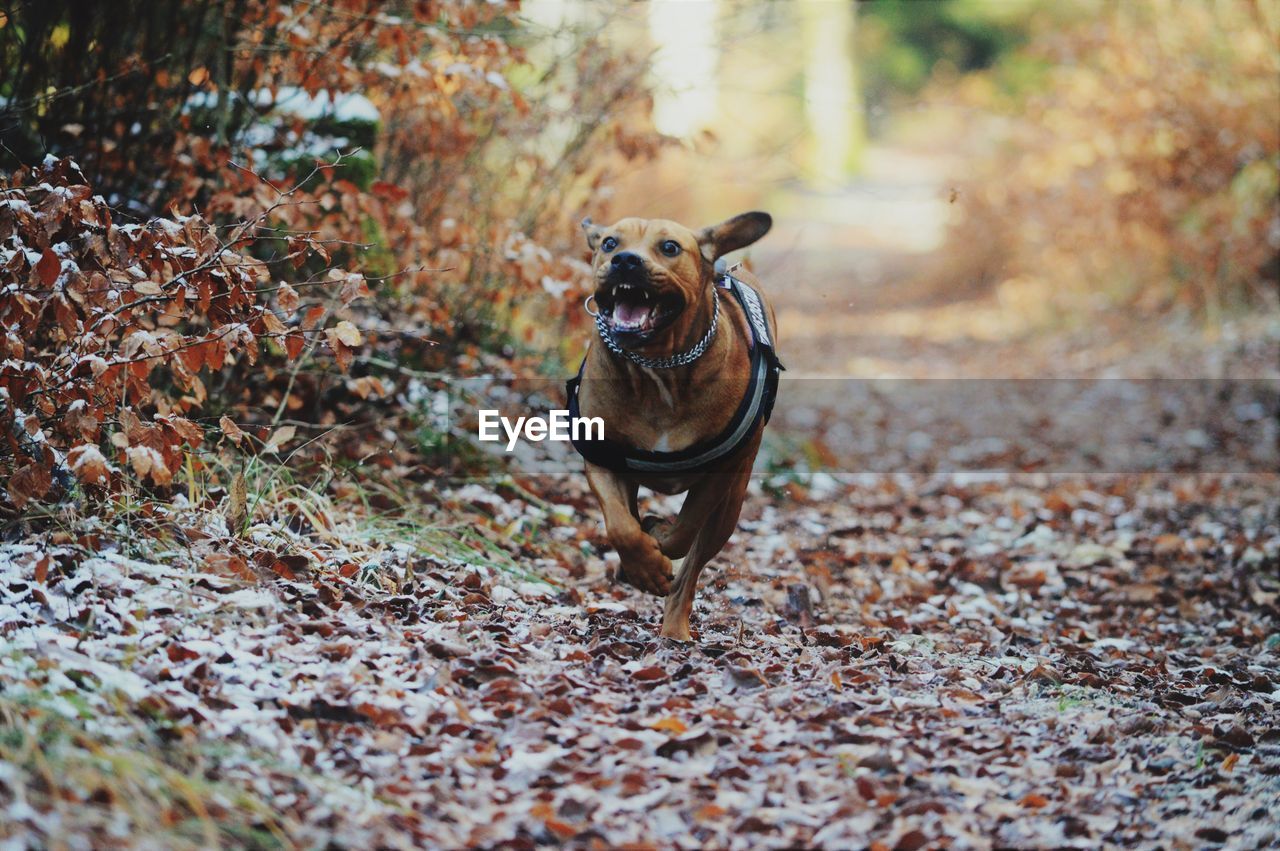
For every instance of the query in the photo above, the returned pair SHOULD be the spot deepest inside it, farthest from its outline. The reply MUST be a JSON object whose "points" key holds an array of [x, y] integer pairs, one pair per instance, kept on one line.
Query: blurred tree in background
{"points": [[1139, 165], [152, 97], [108, 83], [903, 45]]}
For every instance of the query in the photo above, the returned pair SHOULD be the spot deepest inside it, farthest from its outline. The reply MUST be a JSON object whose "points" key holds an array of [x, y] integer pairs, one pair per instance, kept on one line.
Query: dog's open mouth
{"points": [[638, 310]]}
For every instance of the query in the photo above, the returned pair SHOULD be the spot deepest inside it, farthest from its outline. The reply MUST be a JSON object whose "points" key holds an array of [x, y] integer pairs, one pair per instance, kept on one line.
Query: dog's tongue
{"points": [[628, 315]]}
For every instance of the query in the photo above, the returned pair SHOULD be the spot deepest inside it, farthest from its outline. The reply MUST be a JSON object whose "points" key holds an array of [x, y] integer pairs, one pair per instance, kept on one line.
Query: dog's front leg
{"points": [[726, 491], [674, 537], [642, 562]]}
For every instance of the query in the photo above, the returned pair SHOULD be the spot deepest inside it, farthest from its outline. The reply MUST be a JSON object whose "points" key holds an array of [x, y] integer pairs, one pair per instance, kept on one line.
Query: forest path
{"points": [[863, 288], [844, 267]]}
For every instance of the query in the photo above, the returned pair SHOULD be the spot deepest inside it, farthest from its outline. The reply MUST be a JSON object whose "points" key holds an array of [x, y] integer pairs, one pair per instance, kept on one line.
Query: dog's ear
{"points": [[592, 231], [732, 234]]}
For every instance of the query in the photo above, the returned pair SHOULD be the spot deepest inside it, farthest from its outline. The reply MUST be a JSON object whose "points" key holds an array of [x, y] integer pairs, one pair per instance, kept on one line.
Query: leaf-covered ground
{"points": [[894, 662]]}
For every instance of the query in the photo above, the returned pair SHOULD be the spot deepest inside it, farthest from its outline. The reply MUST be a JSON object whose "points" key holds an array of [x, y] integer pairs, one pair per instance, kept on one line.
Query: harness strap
{"points": [[756, 407]]}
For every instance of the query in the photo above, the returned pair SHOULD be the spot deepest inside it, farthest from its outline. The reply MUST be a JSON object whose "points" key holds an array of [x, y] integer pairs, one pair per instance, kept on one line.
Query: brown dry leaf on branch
{"points": [[279, 438]]}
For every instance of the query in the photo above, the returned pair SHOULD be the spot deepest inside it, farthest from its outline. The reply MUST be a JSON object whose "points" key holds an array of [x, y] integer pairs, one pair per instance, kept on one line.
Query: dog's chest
{"points": [[658, 410], [666, 389]]}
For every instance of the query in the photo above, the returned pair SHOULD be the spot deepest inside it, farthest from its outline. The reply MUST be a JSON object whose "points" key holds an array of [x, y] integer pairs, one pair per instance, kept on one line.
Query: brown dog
{"points": [[683, 373]]}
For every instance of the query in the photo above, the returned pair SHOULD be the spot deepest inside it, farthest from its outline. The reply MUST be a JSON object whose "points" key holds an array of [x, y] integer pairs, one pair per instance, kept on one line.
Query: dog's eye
{"points": [[669, 247], [609, 244]]}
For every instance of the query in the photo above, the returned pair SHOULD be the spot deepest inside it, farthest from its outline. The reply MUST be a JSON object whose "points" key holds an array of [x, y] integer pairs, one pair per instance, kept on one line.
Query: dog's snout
{"points": [[626, 261]]}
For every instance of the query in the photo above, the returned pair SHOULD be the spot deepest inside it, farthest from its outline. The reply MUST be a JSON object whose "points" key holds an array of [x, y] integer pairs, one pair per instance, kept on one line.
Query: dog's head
{"points": [[651, 274]]}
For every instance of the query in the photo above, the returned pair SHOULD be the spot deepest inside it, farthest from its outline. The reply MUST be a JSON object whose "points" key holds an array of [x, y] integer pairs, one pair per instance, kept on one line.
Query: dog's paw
{"points": [[661, 529], [653, 525], [650, 571]]}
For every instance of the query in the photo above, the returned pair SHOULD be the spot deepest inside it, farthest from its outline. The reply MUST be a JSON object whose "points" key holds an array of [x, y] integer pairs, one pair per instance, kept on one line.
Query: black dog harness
{"points": [[755, 408]]}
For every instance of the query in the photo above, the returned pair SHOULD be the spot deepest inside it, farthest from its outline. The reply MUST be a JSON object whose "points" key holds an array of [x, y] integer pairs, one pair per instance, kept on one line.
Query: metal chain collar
{"points": [[682, 359]]}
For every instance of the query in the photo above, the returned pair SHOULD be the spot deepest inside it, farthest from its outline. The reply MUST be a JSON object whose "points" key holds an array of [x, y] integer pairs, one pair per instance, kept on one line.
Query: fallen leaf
{"points": [[649, 675], [671, 724], [237, 502]]}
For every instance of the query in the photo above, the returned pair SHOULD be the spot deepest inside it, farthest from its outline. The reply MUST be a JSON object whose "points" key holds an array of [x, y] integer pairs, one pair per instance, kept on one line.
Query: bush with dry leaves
{"points": [[454, 227], [108, 328]]}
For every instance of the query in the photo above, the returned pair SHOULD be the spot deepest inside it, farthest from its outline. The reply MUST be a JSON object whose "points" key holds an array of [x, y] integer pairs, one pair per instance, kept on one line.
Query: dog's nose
{"points": [[626, 261]]}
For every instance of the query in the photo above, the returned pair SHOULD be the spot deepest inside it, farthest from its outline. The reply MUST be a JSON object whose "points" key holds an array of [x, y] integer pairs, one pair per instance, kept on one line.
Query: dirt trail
{"points": [[837, 258]]}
